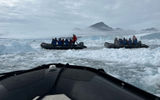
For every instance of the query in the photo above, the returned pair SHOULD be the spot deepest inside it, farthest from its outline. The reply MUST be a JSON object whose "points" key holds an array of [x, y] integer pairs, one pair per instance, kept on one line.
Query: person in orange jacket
{"points": [[74, 39]]}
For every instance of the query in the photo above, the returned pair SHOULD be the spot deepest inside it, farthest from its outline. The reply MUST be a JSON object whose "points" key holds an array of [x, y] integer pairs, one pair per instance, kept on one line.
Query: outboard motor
{"points": [[81, 44]]}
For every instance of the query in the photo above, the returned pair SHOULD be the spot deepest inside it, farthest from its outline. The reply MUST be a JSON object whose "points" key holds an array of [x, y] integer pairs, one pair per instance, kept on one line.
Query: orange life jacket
{"points": [[74, 38]]}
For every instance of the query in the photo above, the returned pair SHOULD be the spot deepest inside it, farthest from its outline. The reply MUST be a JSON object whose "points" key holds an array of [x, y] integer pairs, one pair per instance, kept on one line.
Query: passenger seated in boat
{"points": [[59, 42], [62, 42], [120, 42], [116, 42], [124, 41], [70, 42], [74, 39], [129, 42], [134, 39], [66, 42], [135, 42], [54, 42]]}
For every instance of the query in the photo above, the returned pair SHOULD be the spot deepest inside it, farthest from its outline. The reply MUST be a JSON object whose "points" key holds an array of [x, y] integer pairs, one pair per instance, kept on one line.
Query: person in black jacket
{"points": [[116, 42]]}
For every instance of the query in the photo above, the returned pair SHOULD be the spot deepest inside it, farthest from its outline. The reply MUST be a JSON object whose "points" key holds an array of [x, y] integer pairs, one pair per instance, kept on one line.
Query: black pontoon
{"points": [[76, 82], [50, 46], [112, 45]]}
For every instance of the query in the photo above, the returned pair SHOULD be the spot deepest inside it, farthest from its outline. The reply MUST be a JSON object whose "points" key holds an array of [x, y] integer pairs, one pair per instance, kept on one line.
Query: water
{"points": [[139, 67]]}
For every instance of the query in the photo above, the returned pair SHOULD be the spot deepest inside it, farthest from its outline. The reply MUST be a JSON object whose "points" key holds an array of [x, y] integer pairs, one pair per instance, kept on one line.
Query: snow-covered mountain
{"points": [[102, 29], [155, 35], [152, 29], [101, 26]]}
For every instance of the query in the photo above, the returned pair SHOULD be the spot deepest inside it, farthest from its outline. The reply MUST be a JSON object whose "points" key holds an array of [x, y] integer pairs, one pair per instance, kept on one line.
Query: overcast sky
{"points": [[64, 15]]}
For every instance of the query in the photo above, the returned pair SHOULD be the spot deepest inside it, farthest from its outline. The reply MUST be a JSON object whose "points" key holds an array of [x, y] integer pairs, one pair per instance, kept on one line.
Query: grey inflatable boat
{"points": [[111, 45], [50, 46], [76, 82]]}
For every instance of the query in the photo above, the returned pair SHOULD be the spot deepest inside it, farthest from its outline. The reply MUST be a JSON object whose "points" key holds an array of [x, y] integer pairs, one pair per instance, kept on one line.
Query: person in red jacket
{"points": [[74, 39]]}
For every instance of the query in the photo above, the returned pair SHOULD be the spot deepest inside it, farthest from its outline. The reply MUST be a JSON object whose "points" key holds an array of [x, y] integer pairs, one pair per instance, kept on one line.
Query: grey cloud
{"points": [[58, 15]]}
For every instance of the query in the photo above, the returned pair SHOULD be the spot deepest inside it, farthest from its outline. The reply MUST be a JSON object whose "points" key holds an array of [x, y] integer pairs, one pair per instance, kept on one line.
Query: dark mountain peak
{"points": [[101, 26], [101, 23]]}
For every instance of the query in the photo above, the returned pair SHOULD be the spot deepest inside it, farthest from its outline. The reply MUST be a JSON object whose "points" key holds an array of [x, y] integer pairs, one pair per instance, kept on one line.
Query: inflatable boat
{"points": [[75, 82], [50, 46], [112, 45]]}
